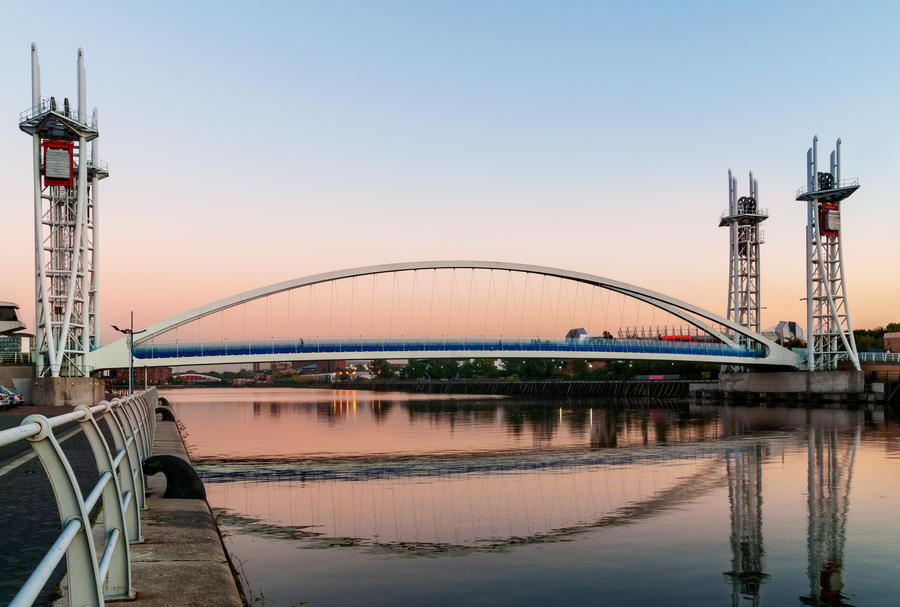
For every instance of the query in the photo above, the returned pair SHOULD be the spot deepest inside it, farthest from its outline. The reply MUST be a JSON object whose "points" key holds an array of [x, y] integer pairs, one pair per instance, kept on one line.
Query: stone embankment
{"points": [[182, 560], [672, 388]]}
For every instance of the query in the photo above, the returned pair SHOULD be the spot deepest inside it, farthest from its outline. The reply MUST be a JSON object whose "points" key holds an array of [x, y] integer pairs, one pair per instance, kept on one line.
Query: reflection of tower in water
{"points": [[828, 480], [744, 467]]}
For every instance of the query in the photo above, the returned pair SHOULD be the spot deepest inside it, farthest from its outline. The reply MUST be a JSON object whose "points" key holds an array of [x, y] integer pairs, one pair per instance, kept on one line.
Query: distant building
{"points": [[323, 366], [155, 375], [197, 378], [785, 330], [892, 342], [579, 333], [16, 348], [263, 378], [9, 320]]}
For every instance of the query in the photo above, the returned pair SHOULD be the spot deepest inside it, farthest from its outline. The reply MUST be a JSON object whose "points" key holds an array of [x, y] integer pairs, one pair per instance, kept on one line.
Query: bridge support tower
{"points": [[66, 176], [829, 331], [742, 220]]}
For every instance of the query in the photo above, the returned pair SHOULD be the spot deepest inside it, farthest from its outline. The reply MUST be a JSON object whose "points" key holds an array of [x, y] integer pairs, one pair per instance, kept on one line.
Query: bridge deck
{"points": [[424, 347]]}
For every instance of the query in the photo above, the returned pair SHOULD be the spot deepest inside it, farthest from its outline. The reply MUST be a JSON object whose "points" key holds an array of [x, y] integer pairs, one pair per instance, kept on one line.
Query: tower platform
{"points": [[51, 122]]}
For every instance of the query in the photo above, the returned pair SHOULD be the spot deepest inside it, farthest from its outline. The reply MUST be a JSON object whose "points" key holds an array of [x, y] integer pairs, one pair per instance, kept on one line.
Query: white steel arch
{"points": [[115, 354]]}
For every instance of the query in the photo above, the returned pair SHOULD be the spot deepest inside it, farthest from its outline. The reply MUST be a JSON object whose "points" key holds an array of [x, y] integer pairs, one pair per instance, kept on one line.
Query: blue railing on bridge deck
{"points": [[498, 345]]}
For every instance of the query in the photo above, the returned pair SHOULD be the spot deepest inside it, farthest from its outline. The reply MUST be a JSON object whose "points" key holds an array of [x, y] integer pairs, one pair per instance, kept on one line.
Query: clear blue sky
{"points": [[254, 142]]}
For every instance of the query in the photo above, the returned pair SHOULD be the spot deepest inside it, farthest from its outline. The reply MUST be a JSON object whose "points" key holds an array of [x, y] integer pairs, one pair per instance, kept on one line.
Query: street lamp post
{"points": [[130, 332]]}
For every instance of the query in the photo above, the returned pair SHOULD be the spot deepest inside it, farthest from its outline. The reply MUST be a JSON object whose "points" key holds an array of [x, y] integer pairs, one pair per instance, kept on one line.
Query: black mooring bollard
{"points": [[182, 481]]}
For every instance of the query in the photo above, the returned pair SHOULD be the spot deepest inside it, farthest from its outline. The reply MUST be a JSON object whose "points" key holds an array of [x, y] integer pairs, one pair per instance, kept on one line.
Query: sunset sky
{"points": [[250, 143]]}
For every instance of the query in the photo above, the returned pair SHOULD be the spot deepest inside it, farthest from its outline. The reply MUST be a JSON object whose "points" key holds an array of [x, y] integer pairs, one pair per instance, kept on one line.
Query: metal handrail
{"points": [[93, 579], [880, 357], [44, 106], [844, 183], [760, 212], [15, 357], [500, 345], [99, 165]]}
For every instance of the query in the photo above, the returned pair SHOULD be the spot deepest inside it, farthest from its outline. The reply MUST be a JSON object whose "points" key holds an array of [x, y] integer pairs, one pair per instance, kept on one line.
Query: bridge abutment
{"points": [[66, 391], [823, 382]]}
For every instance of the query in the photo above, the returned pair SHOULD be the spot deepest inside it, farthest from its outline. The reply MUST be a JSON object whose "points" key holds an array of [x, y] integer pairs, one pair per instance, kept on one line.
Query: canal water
{"points": [[349, 497]]}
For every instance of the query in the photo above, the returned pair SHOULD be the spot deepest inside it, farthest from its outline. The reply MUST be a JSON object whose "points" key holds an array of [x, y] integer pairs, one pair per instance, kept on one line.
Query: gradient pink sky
{"points": [[249, 147]]}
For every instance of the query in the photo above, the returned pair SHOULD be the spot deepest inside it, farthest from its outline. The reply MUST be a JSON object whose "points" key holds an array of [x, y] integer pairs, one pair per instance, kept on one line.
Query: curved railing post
{"points": [[118, 581], [126, 478], [133, 450], [128, 408], [81, 557], [134, 405], [151, 402]]}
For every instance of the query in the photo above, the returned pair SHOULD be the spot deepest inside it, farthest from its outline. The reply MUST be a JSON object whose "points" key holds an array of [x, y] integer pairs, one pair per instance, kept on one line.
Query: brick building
{"points": [[155, 375]]}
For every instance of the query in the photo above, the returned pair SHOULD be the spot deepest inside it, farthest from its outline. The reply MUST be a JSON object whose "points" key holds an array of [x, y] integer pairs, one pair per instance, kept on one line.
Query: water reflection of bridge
{"points": [[640, 464], [832, 441]]}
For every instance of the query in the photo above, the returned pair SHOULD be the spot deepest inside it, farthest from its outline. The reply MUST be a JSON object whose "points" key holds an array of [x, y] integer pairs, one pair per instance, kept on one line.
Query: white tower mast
{"points": [[65, 303], [829, 331], [742, 220]]}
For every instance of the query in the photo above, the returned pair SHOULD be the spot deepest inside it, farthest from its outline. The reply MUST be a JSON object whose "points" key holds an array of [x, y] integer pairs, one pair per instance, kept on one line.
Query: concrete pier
{"points": [[841, 386], [819, 382], [66, 391]]}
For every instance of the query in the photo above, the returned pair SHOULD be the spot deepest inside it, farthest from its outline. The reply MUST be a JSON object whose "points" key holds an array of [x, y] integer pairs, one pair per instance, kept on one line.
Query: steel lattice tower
{"points": [[829, 332], [742, 219], [66, 209]]}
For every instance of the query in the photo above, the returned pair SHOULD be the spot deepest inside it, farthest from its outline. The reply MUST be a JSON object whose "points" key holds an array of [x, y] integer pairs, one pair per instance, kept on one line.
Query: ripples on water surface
{"points": [[363, 498]]}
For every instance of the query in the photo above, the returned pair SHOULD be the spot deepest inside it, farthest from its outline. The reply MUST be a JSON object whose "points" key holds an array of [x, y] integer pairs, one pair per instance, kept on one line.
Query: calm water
{"points": [[359, 498]]}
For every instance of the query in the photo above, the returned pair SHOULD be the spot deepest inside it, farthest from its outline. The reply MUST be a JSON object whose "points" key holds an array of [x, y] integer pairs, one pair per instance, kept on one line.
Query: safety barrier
{"points": [[130, 422], [879, 357], [503, 345]]}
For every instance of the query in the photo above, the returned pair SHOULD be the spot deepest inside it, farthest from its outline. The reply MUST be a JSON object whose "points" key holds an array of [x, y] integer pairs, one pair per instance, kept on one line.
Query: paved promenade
{"points": [[28, 515], [180, 562]]}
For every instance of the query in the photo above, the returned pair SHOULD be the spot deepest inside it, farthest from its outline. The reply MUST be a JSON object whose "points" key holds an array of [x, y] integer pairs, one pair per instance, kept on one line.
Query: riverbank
{"points": [[630, 388]]}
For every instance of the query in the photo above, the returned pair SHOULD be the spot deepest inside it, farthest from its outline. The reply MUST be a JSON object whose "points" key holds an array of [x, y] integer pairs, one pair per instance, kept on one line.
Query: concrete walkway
{"points": [[29, 520], [181, 561]]}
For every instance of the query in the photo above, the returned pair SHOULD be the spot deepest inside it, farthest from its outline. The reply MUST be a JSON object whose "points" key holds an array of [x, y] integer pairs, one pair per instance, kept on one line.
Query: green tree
{"points": [[441, 368], [480, 368], [382, 369], [578, 367], [415, 369]]}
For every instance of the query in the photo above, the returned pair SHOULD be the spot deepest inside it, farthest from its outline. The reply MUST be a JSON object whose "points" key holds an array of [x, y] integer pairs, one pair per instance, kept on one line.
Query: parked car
{"points": [[5, 401], [14, 398]]}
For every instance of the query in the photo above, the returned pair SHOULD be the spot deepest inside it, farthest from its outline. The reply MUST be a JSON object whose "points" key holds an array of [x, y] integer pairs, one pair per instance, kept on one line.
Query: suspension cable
{"points": [[541, 304], [431, 305], [372, 305], [412, 304], [469, 300], [505, 303]]}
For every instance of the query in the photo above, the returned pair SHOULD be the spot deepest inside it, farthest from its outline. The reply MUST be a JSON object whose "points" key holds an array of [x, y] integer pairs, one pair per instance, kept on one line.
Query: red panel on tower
{"points": [[829, 219], [59, 163]]}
